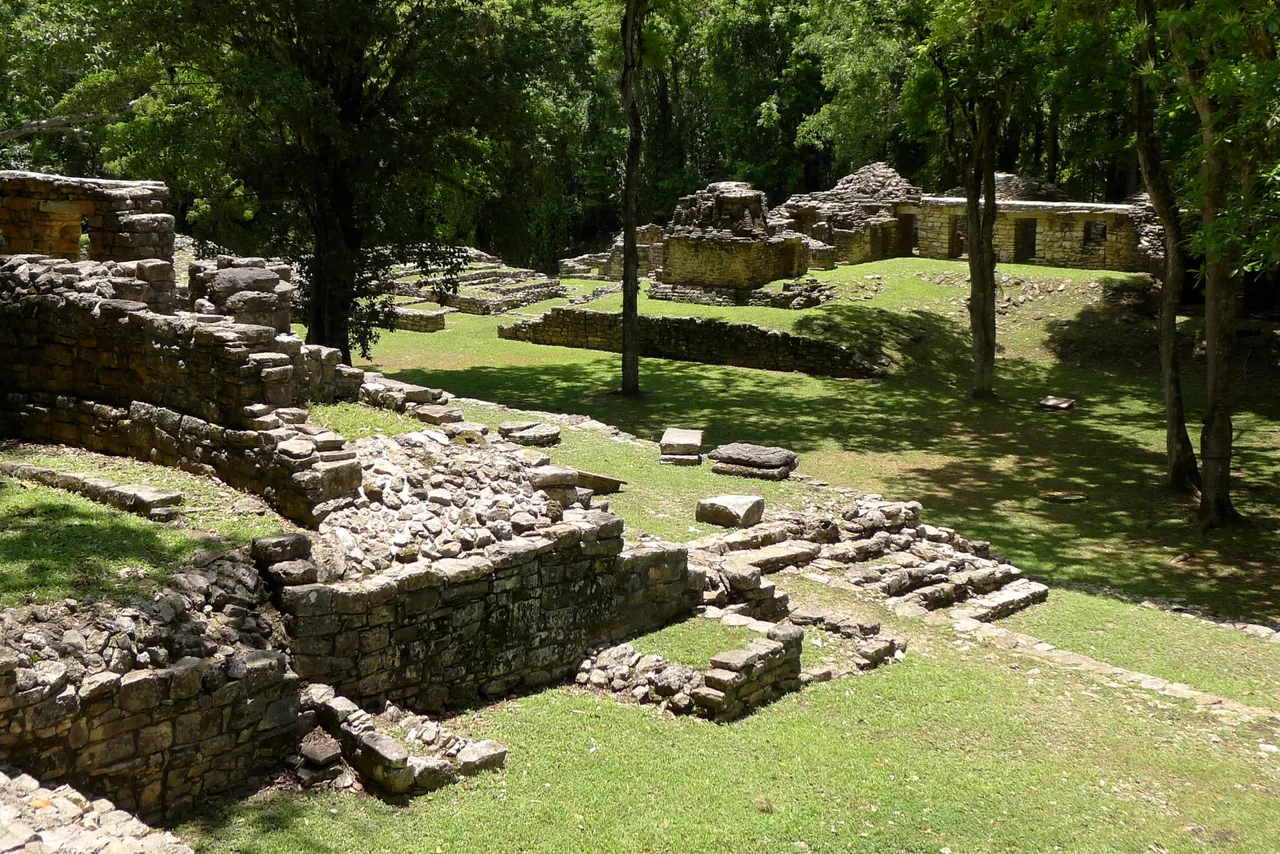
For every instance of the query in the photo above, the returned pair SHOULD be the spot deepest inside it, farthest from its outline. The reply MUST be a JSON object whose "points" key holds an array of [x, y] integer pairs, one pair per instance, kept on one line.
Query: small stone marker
{"points": [[1054, 403], [731, 511], [466, 432], [678, 441], [431, 413]]}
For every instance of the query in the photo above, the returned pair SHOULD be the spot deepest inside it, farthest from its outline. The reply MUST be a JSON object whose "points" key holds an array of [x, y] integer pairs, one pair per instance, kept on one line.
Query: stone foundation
{"points": [[450, 632], [691, 339], [794, 295]]}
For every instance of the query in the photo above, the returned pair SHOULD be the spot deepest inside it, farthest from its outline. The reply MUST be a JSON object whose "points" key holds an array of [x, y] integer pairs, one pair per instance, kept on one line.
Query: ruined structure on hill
{"points": [[723, 242]]}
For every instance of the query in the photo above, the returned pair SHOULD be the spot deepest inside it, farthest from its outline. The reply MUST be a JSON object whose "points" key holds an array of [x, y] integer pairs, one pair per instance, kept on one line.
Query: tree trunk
{"points": [[1055, 112], [980, 195], [1182, 470], [335, 262], [1220, 341], [632, 29]]}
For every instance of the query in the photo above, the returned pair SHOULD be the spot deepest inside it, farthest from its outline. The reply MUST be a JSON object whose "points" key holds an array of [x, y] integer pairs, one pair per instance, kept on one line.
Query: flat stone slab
{"points": [[678, 441], [680, 459], [755, 456], [534, 435], [544, 477], [1054, 403], [731, 511], [751, 471], [465, 432], [435, 414], [481, 756], [601, 484]]}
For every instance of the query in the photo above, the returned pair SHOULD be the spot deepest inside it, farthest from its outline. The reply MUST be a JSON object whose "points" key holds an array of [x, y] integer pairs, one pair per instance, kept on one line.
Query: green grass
{"points": [[1220, 661], [693, 641], [942, 751], [55, 545]]}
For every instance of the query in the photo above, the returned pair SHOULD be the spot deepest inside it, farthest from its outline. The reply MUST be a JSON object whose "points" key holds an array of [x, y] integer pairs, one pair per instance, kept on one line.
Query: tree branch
{"points": [[56, 124]]}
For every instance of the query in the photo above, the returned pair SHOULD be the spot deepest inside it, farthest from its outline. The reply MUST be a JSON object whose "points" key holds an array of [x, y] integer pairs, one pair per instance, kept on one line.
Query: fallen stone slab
{"points": [[601, 484], [731, 511], [535, 434], [755, 456], [551, 476], [1053, 403], [680, 442], [680, 459], [482, 756], [466, 432], [750, 471], [431, 413]]}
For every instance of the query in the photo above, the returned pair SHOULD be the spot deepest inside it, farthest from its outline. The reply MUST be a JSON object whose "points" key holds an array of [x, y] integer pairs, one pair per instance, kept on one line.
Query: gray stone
{"points": [[482, 755], [677, 441], [755, 456], [731, 511]]}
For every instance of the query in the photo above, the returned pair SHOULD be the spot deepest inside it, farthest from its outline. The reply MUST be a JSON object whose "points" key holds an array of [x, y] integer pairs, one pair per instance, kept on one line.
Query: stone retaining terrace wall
{"points": [[155, 707], [125, 220], [115, 377], [445, 633], [413, 320], [694, 339]]}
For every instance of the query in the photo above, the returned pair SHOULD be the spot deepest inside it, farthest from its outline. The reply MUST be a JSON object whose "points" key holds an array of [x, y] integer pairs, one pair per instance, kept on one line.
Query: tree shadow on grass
{"points": [[1004, 451], [54, 545], [912, 341], [269, 818]]}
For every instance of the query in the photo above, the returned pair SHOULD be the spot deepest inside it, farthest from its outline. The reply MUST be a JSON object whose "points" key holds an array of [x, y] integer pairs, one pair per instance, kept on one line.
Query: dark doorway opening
{"points": [[1024, 241], [955, 243], [908, 234]]}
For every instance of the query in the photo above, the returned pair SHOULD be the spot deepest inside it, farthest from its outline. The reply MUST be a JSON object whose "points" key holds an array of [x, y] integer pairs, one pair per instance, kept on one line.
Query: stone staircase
{"points": [[880, 546]]}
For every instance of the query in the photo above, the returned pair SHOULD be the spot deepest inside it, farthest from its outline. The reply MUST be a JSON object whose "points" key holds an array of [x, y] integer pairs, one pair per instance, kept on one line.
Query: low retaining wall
{"points": [[692, 339], [154, 707], [413, 320], [792, 296], [444, 633], [742, 679]]}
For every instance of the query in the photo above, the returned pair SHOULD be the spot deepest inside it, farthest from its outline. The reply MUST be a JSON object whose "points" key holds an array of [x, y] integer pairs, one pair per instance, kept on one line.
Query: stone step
{"points": [[1013, 597], [777, 557]]}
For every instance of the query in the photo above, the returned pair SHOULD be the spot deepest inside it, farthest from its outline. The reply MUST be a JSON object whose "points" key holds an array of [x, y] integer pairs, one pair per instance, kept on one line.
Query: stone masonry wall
{"points": [[414, 320], [445, 633], [1060, 238], [113, 376], [693, 339], [155, 706], [125, 220]]}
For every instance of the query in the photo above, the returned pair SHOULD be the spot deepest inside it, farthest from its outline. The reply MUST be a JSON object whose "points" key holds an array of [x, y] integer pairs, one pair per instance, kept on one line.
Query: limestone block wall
{"points": [[741, 680], [113, 376], [445, 633], [248, 290], [693, 339], [155, 706], [125, 220], [1066, 234], [732, 262]]}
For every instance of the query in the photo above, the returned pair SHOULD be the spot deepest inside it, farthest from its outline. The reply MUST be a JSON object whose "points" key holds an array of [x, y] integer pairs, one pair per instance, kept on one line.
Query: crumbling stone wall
{"points": [[125, 220], [863, 218], [693, 339], [113, 376], [793, 295], [156, 706], [247, 290], [720, 237]]}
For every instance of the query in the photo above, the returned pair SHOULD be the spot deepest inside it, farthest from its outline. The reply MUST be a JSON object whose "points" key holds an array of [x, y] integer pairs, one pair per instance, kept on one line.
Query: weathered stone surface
{"points": [[755, 456], [482, 756], [731, 511], [679, 441], [734, 470]]}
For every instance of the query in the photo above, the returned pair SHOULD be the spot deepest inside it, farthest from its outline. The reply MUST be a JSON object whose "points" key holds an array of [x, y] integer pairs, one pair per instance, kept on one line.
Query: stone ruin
{"points": [[486, 285], [724, 243], [48, 214], [859, 219], [441, 568]]}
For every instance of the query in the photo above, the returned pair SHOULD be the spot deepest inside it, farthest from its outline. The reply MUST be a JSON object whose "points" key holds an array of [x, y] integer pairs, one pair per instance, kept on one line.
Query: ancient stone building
{"points": [[47, 214], [867, 216], [721, 237]]}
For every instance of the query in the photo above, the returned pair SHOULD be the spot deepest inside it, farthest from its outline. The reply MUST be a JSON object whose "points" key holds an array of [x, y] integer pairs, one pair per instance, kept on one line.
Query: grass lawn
{"points": [[55, 544], [984, 468]]}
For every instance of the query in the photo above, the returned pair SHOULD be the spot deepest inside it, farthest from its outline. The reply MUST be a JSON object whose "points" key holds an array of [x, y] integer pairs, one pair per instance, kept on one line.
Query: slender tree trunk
{"points": [[632, 30], [1055, 112], [980, 194], [1182, 469], [1220, 341], [335, 262]]}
